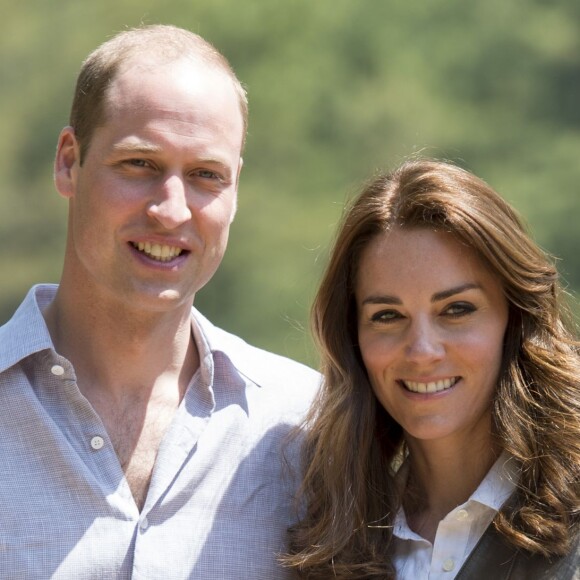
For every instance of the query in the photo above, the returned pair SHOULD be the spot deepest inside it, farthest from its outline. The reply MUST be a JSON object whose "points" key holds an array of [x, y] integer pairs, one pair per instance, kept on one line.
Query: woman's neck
{"points": [[441, 477]]}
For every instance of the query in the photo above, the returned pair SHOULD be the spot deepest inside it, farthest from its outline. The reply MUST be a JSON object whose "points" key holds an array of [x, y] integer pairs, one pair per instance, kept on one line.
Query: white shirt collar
{"points": [[495, 488], [498, 484]]}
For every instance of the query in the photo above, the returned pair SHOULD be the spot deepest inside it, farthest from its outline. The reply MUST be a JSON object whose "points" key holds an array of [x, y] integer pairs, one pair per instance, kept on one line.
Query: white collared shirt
{"points": [[415, 558]]}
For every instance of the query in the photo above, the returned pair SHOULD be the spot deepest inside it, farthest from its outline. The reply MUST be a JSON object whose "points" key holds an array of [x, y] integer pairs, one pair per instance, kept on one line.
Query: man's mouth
{"points": [[159, 252], [431, 387]]}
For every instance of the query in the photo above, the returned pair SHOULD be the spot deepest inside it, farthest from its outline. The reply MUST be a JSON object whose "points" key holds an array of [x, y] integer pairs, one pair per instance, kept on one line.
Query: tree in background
{"points": [[337, 88]]}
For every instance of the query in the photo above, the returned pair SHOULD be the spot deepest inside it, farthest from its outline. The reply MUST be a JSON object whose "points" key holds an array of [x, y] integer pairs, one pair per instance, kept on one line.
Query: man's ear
{"points": [[66, 162], [235, 208]]}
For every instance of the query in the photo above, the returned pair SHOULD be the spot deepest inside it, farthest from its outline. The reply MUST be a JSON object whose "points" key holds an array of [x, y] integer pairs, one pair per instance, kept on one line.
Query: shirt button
{"points": [[144, 523], [97, 442], [462, 515], [57, 370], [448, 565]]}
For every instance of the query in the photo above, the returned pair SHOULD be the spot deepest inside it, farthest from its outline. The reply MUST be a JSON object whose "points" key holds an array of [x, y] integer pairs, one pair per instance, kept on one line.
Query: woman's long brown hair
{"points": [[353, 446]]}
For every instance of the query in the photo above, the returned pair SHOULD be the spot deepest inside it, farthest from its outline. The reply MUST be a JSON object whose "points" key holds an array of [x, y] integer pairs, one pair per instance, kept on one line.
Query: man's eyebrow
{"points": [[147, 148], [135, 148], [456, 290]]}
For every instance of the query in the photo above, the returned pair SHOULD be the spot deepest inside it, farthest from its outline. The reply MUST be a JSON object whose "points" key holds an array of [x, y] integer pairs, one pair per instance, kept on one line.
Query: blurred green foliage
{"points": [[337, 89]]}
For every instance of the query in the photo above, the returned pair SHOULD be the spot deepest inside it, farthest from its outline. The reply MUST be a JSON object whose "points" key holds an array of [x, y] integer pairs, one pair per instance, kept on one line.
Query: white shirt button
{"points": [[144, 523], [57, 370], [462, 514], [448, 565], [97, 442]]}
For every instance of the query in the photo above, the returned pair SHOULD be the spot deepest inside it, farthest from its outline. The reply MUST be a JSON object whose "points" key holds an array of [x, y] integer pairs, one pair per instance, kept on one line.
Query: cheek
{"points": [[105, 200], [378, 354], [215, 217], [385, 392], [483, 352]]}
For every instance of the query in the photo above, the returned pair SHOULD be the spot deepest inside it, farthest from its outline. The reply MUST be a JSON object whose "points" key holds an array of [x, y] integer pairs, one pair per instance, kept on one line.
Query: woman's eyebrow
{"points": [[388, 299], [382, 299], [456, 290]]}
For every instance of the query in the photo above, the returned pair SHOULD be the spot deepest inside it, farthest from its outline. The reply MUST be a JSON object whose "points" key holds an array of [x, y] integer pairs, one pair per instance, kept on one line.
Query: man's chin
{"points": [[170, 295], [157, 299]]}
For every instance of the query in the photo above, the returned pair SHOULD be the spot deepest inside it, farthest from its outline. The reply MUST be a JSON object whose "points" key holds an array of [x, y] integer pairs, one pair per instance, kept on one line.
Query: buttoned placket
{"points": [[450, 543], [99, 454], [177, 445]]}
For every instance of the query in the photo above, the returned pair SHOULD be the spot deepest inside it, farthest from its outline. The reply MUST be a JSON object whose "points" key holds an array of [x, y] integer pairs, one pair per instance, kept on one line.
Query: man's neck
{"points": [[122, 350]]}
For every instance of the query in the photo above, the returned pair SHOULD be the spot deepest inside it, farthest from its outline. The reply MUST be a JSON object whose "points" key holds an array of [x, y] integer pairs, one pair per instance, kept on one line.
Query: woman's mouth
{"points": [[431, 386]]}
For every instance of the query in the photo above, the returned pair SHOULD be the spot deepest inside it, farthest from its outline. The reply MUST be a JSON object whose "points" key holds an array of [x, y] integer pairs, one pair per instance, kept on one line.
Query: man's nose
{"points": [[170, 207], [424, 342]]}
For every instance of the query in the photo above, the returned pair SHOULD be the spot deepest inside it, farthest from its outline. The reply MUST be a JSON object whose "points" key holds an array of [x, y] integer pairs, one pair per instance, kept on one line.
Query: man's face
{"points": [[152, 203]]}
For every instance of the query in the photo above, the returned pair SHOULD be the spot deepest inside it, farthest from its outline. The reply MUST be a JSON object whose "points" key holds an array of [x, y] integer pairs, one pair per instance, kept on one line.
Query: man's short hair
{"points": [[164, 42]]}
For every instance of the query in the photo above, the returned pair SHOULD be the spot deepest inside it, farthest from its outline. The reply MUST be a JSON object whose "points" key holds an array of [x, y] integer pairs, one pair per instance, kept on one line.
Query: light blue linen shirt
{"points": [[220, 498]]}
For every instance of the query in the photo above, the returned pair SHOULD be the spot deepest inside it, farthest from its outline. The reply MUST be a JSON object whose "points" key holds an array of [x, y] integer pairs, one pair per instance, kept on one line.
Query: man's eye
{"points": [[207, 174], [138, 163]]}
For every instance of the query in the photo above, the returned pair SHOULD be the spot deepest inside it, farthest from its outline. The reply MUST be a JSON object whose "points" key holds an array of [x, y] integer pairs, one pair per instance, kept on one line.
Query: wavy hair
{"points": [[353, 447]]}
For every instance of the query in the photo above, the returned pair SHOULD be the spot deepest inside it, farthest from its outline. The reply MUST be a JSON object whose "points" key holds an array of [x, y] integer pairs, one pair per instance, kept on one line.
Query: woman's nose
{"points": [[424, 342]]}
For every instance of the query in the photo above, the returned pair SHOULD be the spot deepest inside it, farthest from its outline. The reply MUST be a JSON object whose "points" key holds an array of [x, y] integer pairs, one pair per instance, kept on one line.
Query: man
{"points": [[137, 440]]}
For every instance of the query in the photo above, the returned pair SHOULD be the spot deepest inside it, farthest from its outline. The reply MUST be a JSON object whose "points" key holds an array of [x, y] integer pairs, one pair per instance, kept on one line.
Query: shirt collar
{"points": [[247, 360], [199, 328], [498, 484], [26, 332], [495, 488]]}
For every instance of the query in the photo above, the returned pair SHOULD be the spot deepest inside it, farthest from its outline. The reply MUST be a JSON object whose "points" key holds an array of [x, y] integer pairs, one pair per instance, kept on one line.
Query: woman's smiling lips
{"points": [[435, 386]]}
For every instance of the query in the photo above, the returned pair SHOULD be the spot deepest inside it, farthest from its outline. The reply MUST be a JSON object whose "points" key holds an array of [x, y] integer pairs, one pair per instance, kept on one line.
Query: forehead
{"points": [[184, 89], [417, 259]]}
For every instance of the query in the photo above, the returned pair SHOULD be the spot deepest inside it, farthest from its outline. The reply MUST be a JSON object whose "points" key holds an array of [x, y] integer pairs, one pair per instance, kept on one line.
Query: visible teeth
{"points": [[159, 252], [433, 387]]}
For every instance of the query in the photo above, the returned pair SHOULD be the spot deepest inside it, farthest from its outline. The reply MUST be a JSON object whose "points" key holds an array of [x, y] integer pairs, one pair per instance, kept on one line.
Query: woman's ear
{"points": [[66, 162]]}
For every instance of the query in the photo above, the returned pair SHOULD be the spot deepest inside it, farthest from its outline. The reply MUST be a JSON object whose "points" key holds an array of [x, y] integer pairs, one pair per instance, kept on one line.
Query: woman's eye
{"points": [[458, 309], [386, 316]]}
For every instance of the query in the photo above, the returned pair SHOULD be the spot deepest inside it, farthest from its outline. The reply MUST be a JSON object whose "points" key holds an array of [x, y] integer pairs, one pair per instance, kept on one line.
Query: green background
{"points": [[337, 89]]}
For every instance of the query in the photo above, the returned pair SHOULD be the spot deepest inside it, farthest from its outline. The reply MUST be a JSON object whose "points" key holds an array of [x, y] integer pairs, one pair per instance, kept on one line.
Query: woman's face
{"points": [[431, 323]]}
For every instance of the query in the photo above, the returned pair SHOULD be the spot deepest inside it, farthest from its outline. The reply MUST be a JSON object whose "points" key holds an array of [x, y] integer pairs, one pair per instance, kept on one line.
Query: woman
{"points": [[445, 442]]}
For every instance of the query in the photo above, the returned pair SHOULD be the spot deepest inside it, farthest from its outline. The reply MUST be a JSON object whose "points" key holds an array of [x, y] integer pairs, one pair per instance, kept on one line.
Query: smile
{"points": [[159, 252], [432, 387]]}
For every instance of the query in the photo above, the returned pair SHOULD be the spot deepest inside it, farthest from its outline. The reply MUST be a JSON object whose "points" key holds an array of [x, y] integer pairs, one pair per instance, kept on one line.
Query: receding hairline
{"points": [[151, 63], [159, 43], [164, 44], [164, 40]]}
